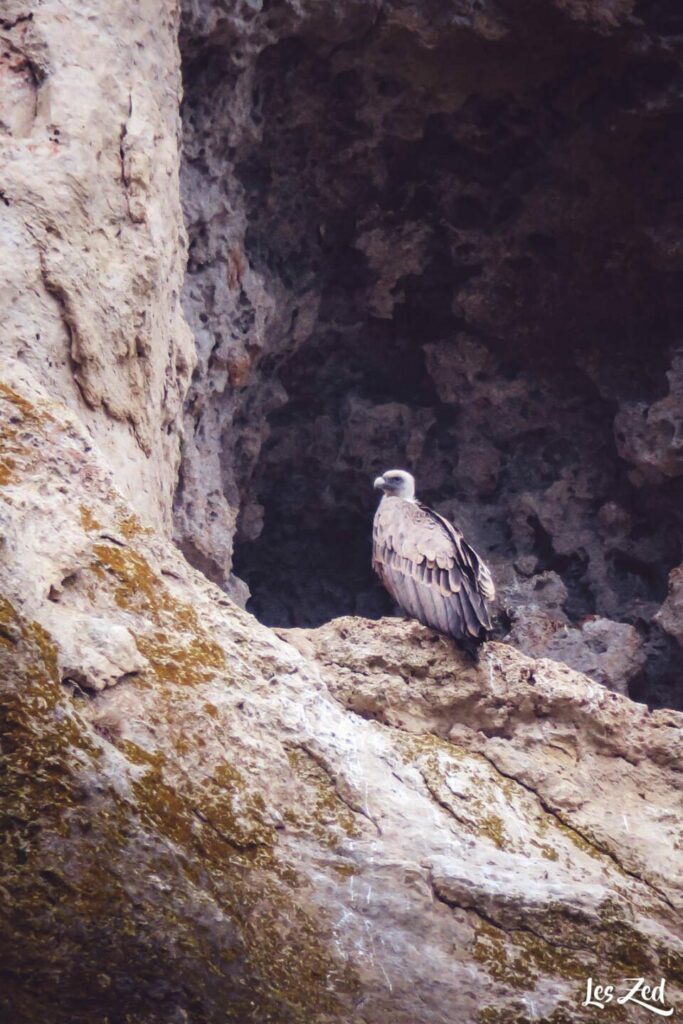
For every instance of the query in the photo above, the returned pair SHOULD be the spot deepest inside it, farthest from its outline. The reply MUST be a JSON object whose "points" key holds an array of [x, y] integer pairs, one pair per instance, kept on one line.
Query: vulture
{"points": [[427, 565]]}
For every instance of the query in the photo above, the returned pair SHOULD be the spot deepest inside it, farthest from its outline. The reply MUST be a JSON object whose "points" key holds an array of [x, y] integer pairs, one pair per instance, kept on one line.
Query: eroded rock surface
{"points": [[203, 821], [439, 236], [91, 233], [346, 824]]}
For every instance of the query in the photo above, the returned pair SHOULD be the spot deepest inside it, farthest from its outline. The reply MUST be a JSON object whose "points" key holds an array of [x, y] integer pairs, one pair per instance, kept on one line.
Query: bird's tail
{"points": [[472, 645]]}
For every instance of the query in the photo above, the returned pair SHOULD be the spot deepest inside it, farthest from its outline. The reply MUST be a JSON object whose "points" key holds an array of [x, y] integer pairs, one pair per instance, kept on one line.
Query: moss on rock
{"points": [[125, 898]]}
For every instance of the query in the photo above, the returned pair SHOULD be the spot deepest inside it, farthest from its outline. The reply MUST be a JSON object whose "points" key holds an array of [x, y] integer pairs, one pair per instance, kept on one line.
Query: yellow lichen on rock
{"points": [[324, 814], [234, 830], [177, 647], [93, 838]]}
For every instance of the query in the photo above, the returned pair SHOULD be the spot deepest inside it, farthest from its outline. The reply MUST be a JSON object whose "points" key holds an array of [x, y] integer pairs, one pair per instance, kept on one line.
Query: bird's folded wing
{"points": [[467, 556]]}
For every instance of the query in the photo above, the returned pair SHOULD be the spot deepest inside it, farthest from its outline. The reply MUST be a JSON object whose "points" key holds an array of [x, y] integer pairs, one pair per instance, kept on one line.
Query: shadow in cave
{"points": [[474, 238], [312, 560], [304, 574]]}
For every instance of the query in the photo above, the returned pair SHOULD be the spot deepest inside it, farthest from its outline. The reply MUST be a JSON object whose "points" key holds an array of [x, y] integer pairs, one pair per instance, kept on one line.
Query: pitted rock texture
{"points": [[440, 236], [91, 233], [346, 824], [200, 823]]}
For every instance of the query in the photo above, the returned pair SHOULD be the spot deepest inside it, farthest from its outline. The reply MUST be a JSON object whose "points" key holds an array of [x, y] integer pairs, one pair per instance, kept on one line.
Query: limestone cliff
{"points": [[92, 238], [204, 820]]}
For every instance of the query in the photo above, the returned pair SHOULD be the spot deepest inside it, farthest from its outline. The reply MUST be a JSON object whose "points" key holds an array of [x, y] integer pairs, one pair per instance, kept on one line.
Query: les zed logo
{"points": [[640, 994]]}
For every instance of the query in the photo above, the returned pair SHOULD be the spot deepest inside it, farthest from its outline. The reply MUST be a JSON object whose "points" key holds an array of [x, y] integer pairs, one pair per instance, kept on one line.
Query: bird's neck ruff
{"points": [[399, 497]]}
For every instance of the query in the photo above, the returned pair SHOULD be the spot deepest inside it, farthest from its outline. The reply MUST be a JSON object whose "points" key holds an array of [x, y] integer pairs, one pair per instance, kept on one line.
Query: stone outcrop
{"points": [[92, 237], [609, 652], [346, 824]]}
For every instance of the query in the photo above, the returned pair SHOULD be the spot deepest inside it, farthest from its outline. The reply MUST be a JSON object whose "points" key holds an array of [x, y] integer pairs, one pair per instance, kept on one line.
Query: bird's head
{"points": [[396, 483]]}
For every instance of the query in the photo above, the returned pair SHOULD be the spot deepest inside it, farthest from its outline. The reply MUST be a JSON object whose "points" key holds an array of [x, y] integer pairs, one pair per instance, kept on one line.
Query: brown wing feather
{"points": [[406, 592], [430, 570], [467, 557]]}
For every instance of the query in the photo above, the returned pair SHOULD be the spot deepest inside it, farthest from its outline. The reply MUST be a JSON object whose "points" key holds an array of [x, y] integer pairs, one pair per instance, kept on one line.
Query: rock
{"points": [[96, 652], [425, 236], [650, 437], [89, 139], [611, 653], [242, 825], [670, 615], [204, 821]]}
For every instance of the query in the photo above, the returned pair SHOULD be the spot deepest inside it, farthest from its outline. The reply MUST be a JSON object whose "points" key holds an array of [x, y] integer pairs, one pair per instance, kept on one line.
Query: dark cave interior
{"points": [[473, 244]]}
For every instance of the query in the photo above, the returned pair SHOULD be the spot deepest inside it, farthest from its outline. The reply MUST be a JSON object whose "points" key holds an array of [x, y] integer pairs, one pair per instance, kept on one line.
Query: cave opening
{"points": [[450, 254]]}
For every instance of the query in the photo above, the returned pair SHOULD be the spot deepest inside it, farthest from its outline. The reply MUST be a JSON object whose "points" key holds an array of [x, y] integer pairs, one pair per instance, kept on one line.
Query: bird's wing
{"points": [[430, 570], [467, 556]]}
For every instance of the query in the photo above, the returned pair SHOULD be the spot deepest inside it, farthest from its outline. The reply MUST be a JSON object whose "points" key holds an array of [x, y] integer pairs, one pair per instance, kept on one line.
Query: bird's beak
{"points": [[379, 483]]}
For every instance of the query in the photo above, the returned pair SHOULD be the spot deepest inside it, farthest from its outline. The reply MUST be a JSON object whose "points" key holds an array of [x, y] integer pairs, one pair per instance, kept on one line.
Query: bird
{"points": [[428, 567]]}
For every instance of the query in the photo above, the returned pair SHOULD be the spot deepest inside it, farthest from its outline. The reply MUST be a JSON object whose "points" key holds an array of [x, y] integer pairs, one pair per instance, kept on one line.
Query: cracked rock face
{"points": [[349, 823], [91, 229], [442, 238], [202, 820]]}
